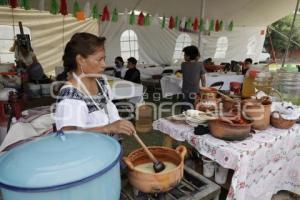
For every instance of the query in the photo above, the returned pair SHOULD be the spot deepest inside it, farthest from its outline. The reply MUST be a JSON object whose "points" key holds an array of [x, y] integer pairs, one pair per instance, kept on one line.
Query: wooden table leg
{"points": [[168, 141]]}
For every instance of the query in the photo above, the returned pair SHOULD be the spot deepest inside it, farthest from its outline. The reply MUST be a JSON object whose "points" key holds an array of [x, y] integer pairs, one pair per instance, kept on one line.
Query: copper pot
{"points": [[156, 182]]}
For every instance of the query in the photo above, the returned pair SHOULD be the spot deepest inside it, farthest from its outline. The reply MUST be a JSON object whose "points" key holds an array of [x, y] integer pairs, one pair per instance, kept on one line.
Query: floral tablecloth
{"points": [[265, 163]]}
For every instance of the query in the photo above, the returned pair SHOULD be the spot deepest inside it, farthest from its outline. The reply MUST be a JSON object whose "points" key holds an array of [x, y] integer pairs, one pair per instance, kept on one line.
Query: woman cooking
{"points": [[84, 102]]}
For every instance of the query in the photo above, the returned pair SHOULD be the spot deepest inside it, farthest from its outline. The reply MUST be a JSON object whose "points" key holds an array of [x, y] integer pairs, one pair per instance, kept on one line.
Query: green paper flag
{"points": [[3, 2], [189, 24], [54, 7], [211, 25], [132, 18], [147, 20], [115, 16], [26, 4], [230, 27], [76, 8], [221, 26], [201, 25], [95, 13], [177, 23], [163, 23]]}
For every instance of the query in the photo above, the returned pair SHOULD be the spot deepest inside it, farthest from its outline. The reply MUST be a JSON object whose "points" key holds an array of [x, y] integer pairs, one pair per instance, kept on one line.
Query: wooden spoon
{"points": [[157, 165], [226, 96]]}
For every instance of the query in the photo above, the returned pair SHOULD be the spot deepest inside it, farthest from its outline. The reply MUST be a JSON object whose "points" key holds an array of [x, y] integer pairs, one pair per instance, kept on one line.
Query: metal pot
{"points": [[156, 182], [64, 166]]}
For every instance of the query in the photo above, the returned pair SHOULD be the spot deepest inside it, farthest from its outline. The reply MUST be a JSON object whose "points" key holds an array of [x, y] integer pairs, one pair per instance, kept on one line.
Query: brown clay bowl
{"points": [[156, 182], [227, 131]]}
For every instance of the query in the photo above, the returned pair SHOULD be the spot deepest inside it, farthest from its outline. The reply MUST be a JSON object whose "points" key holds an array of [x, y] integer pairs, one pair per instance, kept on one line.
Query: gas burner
{"points": [[193, 186]]}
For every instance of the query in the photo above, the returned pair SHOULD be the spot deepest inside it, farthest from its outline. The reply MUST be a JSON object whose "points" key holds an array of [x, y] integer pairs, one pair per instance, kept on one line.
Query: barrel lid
{"points": [[58, 160]]}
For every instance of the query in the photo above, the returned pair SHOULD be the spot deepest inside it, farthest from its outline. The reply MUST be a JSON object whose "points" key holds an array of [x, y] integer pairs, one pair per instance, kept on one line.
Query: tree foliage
{"points": [[284, 26]]}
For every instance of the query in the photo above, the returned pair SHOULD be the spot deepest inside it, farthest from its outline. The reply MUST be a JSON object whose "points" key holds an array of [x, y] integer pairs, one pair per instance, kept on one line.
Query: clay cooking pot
{"points": [[156, 182]]}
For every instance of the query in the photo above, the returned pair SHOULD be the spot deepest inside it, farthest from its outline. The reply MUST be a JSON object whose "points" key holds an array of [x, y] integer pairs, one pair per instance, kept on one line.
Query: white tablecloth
{"points": [[148, 72], [264, 163], [171, 85], [122, 89]]}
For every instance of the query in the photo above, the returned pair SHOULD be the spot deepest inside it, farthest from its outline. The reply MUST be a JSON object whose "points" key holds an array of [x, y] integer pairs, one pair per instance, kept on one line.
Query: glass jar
{"points": [[264, 82], [288, 84]]}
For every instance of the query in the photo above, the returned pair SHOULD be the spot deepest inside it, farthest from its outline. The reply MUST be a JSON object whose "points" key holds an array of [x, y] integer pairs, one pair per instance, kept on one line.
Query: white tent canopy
{"points": [[242, 12], [156, 45]]}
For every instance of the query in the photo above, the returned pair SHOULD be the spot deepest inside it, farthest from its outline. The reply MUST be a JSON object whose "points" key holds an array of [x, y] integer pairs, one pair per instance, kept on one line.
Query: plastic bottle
{"points": [[248, 84]]}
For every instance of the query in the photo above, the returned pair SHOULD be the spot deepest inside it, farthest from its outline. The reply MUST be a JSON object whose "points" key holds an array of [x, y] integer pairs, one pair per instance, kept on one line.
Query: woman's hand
{"points": [[120, 127]]}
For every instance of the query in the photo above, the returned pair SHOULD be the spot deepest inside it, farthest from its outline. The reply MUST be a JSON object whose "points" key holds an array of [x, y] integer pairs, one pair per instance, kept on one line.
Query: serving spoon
{"points": [[157, 165]]}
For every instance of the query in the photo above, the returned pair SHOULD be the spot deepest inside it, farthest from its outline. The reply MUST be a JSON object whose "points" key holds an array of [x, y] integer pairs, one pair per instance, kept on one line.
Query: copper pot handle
{"points": [[128, 163], [181, 150]]}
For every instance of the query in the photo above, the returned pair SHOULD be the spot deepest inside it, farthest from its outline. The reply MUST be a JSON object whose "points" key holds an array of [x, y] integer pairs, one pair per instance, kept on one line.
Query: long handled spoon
{"points": [[157, 165]]}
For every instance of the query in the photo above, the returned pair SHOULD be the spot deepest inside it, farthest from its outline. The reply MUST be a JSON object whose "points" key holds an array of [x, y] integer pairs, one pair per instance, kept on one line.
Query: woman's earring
{"points": [[81, 69]]}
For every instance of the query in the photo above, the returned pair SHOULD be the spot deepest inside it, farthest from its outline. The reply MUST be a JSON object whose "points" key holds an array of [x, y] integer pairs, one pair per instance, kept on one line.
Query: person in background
{"points": [[120, 69], [210, 66], [132, 74], [246, 65], [85, 101], [26, 59], [192, 72]]}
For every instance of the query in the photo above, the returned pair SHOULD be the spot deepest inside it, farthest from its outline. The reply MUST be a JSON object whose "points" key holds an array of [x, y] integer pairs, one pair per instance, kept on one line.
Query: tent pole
{"points": [[201, 15], [290, 36]]}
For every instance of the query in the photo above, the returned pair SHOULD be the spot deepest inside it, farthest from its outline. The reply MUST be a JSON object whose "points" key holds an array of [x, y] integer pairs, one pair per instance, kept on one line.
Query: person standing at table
{"points": [[246, 65], [132, 74], [192, 72], [120, 68]]}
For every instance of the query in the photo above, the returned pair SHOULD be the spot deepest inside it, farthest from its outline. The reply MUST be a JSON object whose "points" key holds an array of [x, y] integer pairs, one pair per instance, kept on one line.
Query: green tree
{"points": [[280, 33]]}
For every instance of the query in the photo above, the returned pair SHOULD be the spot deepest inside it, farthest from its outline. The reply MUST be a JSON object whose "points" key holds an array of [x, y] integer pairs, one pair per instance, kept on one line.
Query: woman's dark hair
{"points": [[119, 58], [132, 60], [191, 51], [83, 44]]}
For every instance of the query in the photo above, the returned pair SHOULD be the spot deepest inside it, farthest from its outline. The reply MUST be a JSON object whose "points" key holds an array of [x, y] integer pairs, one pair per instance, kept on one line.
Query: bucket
{"points": [[220, 174], [45, 88], [208, 167], [34, 90]]}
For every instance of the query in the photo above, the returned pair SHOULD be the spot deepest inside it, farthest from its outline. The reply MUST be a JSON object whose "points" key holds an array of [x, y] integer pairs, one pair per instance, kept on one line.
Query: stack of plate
{"points": [[195, 117]]}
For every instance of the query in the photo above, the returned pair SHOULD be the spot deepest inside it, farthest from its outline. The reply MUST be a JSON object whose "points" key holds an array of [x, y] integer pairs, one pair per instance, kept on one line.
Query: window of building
{"points": [[129, 45], [221, 47], [251, 46], [6, 41], [182, 41]]}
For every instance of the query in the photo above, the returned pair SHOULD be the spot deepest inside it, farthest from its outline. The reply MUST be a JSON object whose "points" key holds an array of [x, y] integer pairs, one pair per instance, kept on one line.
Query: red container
{"points": [[235, 87]]}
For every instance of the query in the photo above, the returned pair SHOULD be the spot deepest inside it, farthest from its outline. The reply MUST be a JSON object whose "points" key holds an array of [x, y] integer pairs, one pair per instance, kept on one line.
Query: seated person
{"points": [[132, 74], [210, 66], [246, 65], [120, 69], [26, 59]]}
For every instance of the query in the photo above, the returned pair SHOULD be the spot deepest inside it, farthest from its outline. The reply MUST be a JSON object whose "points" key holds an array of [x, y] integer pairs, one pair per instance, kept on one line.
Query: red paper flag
{"points": [[171, 23], [105, 14], [217, 26], [63, 7], [13, 3], [141, 19], [196, 24]]}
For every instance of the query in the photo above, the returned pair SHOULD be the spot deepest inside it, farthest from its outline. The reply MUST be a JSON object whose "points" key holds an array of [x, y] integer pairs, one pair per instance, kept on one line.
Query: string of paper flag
{"points": [[175, 23]]}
